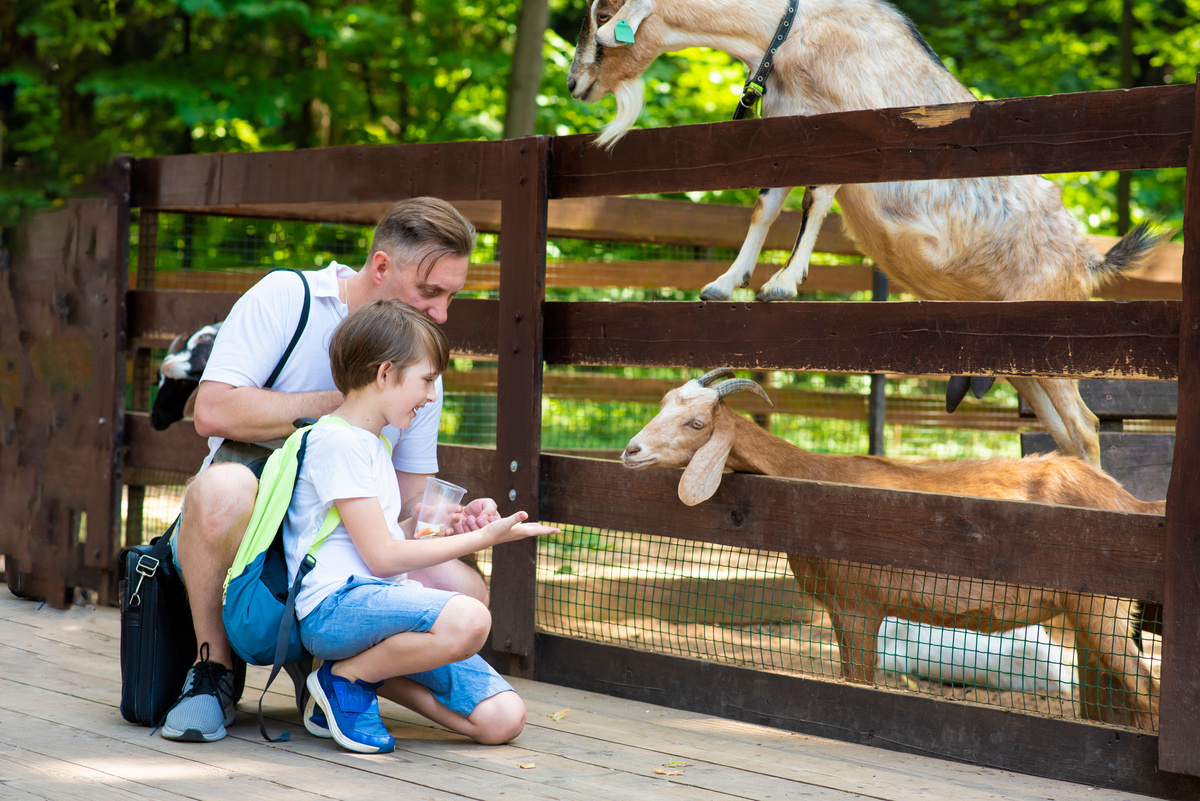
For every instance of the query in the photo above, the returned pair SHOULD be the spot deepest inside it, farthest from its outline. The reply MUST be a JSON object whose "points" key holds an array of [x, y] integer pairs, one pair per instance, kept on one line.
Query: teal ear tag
{"points": [[623, 33]]}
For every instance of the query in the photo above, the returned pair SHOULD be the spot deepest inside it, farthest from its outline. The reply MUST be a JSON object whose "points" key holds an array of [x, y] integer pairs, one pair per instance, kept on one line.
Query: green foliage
{"points": [[84, 80]]}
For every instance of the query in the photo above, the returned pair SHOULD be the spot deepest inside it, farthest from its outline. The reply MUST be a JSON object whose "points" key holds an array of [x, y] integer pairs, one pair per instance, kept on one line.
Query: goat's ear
{"points": [[633, 12], [703, 473]]}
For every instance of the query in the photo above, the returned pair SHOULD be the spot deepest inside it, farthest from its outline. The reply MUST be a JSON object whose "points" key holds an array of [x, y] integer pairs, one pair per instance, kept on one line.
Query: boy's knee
{"points": [[467, 622]]}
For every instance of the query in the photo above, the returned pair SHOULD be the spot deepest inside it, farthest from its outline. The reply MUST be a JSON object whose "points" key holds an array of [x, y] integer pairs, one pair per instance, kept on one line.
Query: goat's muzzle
{"points": [[631, 456]]}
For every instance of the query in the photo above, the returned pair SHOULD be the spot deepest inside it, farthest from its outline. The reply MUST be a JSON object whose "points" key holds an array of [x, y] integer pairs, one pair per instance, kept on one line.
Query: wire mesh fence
{"points": [[673, 596]]}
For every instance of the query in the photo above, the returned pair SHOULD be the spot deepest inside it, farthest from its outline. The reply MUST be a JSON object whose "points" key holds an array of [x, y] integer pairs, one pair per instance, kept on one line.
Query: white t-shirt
{"points": [[257, 332], [340, 461]]}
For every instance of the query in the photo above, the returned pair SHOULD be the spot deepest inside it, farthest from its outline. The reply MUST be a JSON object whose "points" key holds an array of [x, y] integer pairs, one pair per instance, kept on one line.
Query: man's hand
{"points": [[475, 515]]}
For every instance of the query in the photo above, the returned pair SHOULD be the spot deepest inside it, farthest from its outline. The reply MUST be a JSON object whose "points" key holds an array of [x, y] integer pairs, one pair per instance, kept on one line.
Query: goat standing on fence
{"points": [[695, 430], [999, 238]]}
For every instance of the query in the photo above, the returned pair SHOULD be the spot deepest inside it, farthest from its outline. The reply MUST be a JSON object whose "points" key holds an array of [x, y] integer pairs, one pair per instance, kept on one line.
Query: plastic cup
{"points": [[437, 507]]}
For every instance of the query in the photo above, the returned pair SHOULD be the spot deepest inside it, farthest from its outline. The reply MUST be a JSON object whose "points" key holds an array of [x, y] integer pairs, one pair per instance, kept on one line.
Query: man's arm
{"points": [[250, 414], [412, 487]]}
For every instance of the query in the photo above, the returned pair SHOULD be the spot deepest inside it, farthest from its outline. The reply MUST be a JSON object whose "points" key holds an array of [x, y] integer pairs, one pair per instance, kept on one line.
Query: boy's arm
{"points": [[368, 529], [251, 414]]}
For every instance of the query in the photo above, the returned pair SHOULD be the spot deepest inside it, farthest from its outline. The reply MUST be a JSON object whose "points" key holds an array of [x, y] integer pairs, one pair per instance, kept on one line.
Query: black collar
{"points": [[756, 87]]}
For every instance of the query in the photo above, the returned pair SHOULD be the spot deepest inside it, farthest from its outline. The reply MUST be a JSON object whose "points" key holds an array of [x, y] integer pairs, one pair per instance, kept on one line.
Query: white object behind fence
{"points": [[1024, 659]]}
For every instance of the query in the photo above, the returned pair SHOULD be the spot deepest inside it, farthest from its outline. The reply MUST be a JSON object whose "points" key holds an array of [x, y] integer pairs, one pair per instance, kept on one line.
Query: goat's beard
{"points": [[630, 96]]}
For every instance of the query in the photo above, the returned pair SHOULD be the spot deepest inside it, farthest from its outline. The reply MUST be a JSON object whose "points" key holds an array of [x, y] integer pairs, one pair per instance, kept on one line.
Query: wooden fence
{"points": [[1129, 555]]}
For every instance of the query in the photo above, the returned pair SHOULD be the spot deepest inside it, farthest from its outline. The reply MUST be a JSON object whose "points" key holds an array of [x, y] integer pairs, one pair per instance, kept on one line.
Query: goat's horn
{"points": [[712, 375], [733, 385]]}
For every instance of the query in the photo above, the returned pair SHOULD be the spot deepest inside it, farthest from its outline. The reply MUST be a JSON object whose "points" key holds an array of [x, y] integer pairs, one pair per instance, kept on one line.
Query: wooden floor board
{"points": [[63, 738]]}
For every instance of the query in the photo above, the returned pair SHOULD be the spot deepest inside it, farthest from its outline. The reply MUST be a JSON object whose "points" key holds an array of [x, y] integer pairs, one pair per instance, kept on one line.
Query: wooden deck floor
{"points": [[61, 737]]}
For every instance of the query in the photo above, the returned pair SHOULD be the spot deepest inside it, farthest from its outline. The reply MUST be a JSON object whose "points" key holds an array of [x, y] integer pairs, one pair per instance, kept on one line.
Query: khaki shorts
{"points": [[240, 452]]}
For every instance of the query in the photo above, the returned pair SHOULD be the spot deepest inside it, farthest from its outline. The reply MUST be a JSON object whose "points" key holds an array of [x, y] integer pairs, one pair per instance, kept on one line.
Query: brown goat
{"points": [[695, 430]]}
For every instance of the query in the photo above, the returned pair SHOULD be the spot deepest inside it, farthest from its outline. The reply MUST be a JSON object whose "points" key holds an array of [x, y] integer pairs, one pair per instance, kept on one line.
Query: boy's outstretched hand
{"points": [[514, 527]]}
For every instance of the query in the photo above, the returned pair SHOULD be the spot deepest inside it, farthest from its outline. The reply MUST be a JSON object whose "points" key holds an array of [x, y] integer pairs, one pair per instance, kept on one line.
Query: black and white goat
{"points": [[1000, 238], [179, 376]]}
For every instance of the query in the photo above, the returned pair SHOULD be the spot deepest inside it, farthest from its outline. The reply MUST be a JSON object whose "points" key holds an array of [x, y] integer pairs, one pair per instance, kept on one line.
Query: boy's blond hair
{"points": [[384, 331]]}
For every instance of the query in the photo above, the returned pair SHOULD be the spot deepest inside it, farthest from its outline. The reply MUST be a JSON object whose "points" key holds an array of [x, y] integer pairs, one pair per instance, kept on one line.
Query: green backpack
{"points": [[259, 607]]}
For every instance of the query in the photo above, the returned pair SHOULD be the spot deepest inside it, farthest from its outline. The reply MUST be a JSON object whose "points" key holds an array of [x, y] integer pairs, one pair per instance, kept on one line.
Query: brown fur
{"points": [[695, 430]]}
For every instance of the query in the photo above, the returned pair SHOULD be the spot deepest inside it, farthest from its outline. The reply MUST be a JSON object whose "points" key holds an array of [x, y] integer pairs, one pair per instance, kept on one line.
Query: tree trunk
{"points": [[526, 76]]}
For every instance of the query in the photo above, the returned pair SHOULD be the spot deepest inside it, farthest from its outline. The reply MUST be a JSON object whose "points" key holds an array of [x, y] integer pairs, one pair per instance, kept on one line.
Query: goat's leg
{"points": [[1081, 425], [857, 630], [783, 285], [1033, 393], [1116, 684], [766, 211]]}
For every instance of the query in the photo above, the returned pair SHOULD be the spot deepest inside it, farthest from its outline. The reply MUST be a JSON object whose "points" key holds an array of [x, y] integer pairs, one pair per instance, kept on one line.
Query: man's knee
{"points": [[498, 719], [218, 504]]}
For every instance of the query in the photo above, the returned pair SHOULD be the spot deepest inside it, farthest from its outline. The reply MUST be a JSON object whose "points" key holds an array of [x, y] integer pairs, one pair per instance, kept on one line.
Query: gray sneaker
{"points": [[205, 707]]}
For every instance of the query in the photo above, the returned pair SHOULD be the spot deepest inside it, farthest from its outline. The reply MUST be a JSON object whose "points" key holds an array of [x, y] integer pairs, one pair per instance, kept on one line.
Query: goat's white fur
{"points": [[999, 238], [696, 430]]}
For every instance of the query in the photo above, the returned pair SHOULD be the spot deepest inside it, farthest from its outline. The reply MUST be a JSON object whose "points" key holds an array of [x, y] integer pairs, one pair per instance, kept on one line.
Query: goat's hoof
{"points": [[768, 293], [980, 384], [714, 292], [956, 390]]}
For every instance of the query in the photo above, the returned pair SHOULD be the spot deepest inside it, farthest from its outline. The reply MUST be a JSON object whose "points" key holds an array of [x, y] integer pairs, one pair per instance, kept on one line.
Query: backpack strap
{"points": [[299, 329]]}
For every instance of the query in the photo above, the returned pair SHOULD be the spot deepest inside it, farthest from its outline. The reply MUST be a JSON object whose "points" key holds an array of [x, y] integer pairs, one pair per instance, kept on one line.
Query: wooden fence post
{"points": [[135, 494], [519, 391], [1179, 732], [877, 404]]}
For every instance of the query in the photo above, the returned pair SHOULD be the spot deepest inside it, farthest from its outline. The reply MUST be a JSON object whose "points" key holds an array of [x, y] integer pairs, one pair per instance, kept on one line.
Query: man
{"points": [[419, 256]]}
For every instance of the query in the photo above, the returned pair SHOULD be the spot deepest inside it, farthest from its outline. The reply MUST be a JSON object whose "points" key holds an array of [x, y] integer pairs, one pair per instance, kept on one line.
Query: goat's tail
{"points": [[1130, 250]]}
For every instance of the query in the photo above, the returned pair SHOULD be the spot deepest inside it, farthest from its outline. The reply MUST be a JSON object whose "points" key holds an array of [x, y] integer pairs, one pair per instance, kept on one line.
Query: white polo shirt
{"points": [[257, 332]]}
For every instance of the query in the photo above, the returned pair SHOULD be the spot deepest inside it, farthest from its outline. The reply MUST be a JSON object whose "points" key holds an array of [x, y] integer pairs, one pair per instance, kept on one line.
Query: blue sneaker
{"points": [[351, 712], [314, 716]]}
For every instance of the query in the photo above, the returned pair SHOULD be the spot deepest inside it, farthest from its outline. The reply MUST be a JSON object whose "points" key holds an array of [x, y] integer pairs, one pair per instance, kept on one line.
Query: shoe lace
{"points": [[208, 677]]}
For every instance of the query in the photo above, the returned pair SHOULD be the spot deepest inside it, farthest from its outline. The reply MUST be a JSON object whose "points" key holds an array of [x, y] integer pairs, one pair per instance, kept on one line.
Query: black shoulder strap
{"points": [[296, 336]]}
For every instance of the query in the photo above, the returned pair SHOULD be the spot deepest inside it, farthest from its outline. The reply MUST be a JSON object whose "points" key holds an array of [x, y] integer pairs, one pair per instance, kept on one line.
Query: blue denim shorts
{"points": [[366, 611]]}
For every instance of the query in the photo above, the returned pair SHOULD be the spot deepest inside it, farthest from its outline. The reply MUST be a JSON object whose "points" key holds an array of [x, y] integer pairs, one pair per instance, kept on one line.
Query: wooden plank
{"points": [[1137, 339], [1179, 749], [64, 672], [62, 411], [178, 449], [519, 392], [349, 174], [663, 222], [1125, 400], [1113, 130], [1140, 462], [164, 314], [429, 761], [485, 276], [1042, 545], [1090, 754]]}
